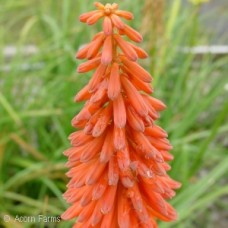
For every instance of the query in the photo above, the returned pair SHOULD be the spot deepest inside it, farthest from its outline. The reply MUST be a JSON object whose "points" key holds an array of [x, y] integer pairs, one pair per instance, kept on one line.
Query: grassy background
{"points": [[36, 106]]}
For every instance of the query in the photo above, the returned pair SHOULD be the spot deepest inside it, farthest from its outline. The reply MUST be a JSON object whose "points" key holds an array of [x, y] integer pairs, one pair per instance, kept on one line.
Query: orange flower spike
{"points": [[118, 159]]}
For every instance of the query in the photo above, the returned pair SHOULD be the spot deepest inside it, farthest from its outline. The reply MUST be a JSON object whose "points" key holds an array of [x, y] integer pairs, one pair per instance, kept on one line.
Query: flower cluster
{"points": [[118, 159]]}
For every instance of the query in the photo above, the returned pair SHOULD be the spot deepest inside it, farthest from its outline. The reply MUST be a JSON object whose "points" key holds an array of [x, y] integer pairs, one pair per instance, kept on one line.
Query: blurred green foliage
{"points": [[36, 106]]}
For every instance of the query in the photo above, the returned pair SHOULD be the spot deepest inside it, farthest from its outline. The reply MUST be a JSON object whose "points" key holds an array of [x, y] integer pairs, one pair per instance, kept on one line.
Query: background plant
{"points": [[36, 104]]}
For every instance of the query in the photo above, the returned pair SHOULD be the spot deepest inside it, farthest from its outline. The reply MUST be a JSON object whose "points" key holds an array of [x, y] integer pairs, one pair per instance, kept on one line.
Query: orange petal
{"points": [[113, 171], [107, 26], [132, 34], [124, 14], [85, 16], [93, 148], [127, 178], [95, 173], [144, 145], [139, 205], [153, 114], [159, 144], [140, 52], [172, 183], [86, 212], [158, 169], [79, 138], [82, 53], [76, 195], [155, 200], [134, 97], [96, 214], [126, 48], [123, 211], [166, 155], [72, 151], [103, 121], [134, 223], [144, 171], [83, 94], [91, 123], [155, 131], [86, 197], [84, 114], [114, 85], [136, 70], [108, 220], [94, 18], [108, 148], [106, 57], [119, 112], [97, 77], [108, 199], [123, 158], [95, 47], [171, 216], [101, 92], [136, 198], [117, 21], [139, 84], [134, 120], [119, 138], [89, 65], [155, 103], [100, 188], [71, 212]]}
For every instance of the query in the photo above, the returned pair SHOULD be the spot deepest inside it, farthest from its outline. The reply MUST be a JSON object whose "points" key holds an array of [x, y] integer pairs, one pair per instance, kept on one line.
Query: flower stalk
{"points": [[118, 159]]}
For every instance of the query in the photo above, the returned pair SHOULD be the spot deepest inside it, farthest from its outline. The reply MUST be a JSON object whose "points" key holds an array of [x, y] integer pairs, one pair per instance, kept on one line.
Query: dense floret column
{"points": [[118, 159]]}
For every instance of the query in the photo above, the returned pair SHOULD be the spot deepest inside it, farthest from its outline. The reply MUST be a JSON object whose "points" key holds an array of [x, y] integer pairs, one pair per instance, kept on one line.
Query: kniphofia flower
{"points": [[118, 159]]}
